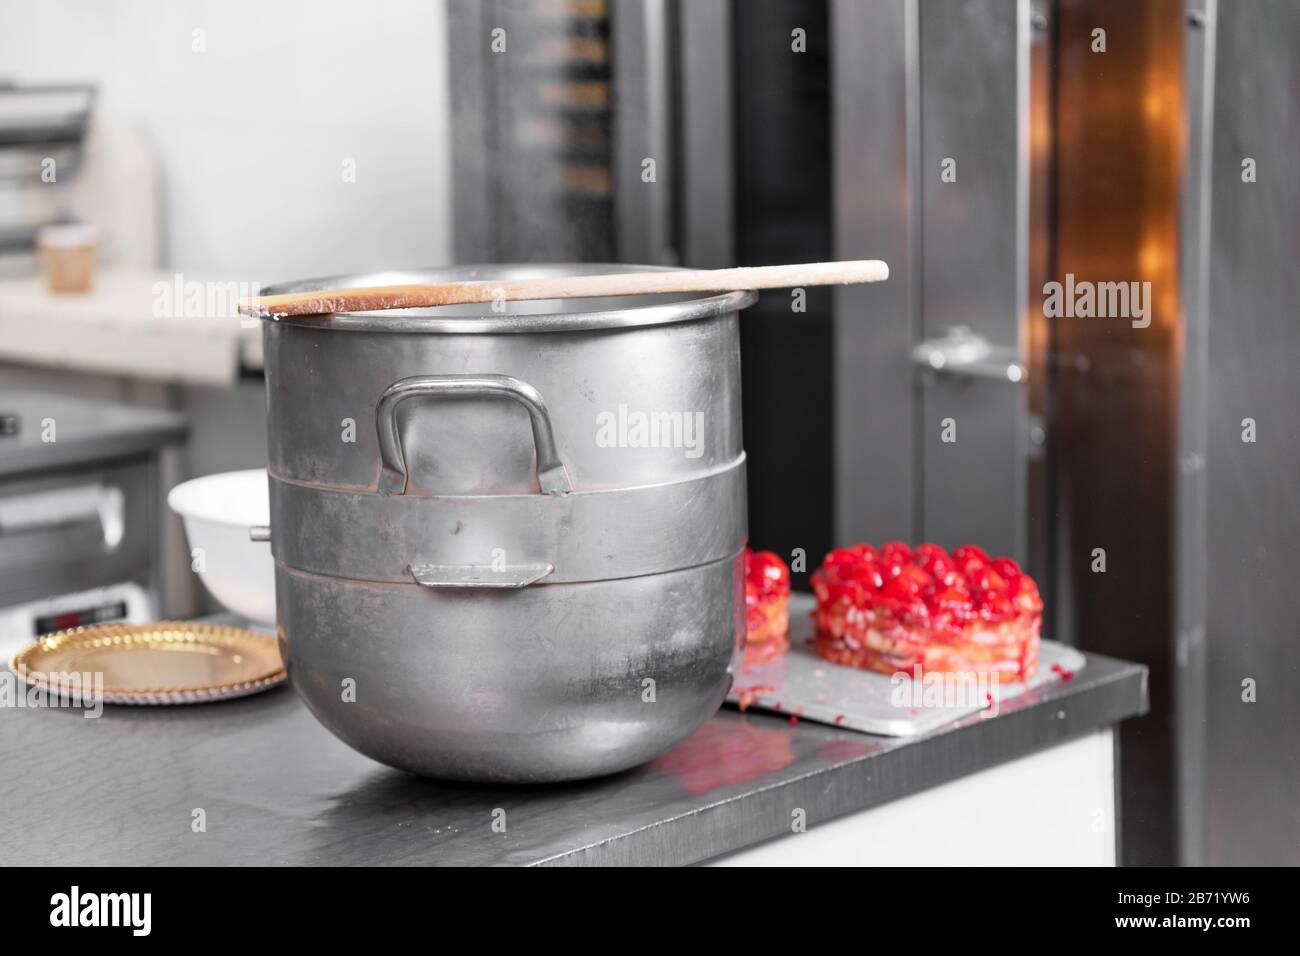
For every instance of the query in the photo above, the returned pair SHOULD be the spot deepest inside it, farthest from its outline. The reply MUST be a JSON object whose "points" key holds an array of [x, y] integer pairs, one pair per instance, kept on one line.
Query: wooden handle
{"points": [[325, 301]]}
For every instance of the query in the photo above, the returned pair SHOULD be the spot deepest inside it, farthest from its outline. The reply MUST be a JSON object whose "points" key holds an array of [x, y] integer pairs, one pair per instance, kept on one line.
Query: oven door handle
{"points": [[962, 352], [61, 507]]}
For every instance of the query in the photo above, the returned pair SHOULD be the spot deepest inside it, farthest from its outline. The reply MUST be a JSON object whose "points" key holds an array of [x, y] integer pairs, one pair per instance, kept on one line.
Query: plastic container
{"points": [[68, 256]]}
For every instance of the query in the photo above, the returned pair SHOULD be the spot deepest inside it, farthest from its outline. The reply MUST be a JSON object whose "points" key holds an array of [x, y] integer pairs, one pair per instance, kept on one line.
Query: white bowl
{"points": [[217, 511]]}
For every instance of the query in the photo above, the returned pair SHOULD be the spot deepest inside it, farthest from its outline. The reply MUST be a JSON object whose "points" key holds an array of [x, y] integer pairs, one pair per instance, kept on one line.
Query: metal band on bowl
{"points": [[584, 536]]}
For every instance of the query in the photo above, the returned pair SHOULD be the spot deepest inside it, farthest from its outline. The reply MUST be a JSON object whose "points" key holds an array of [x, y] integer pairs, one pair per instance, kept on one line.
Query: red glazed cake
{"points": [[892, 609], [767, 606]]}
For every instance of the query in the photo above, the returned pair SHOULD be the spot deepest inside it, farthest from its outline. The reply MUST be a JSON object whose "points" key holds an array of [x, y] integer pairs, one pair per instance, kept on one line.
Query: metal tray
{"points": [[802, 685], [167, 662]]}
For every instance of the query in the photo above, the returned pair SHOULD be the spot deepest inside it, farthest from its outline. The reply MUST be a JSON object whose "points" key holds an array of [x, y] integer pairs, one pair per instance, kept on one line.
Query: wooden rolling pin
{"points": [[325, 301]]}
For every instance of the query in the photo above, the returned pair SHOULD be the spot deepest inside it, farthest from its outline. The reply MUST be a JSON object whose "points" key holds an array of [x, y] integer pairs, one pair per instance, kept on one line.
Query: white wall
{"points": [[251, 135]]}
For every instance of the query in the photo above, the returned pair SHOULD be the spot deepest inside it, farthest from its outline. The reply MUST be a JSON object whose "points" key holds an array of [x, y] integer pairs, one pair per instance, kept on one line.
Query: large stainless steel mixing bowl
{"points": [[484, 570]]}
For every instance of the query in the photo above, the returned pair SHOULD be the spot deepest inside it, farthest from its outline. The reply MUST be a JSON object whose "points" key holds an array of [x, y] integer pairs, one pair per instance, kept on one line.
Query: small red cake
{"points": [[767, 606], [892, 609]]}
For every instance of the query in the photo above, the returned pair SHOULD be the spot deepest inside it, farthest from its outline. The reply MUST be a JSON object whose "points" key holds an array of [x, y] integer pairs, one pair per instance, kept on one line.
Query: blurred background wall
{"points": [[252, 132]]}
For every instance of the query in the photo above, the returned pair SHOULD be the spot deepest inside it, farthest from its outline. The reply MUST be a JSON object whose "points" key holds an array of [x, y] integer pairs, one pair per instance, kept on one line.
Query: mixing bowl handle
{"points": [[551, 475]]}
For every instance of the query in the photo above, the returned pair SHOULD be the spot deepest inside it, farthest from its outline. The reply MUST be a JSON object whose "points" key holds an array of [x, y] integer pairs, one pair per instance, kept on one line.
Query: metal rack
{"points": [[42, 135], [41, 123]]}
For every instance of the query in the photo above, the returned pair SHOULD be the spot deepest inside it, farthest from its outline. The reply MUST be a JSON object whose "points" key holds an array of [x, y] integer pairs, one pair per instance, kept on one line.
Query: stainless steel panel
{"points": [[473, 88], [1036, 338], [1190, 684], [915, 85], [707, 148], [974, 110], [640, 35], [1252, 493], [876, 129]]}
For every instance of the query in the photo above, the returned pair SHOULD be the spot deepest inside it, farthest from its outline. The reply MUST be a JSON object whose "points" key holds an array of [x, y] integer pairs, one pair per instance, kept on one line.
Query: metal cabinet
{"points": [[81, 507]]}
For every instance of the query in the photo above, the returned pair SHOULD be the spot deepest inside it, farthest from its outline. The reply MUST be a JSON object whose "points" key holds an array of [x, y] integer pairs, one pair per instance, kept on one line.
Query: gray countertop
{"points": [[277, 788], [86, 431]]}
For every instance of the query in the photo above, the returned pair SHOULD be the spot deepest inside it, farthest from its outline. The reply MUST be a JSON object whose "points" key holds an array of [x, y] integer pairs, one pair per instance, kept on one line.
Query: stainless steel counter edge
{"points": [[1108, 692]]}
